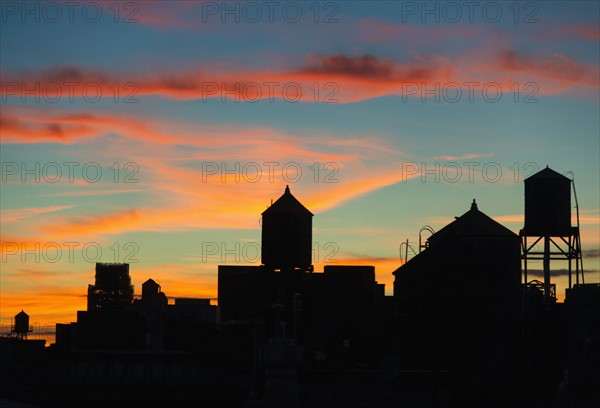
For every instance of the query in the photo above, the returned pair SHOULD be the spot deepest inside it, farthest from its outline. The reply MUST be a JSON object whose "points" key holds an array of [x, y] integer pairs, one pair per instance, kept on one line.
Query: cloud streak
{"points": [[191, 188], [466, 156], [349, 78], [18, 214]]}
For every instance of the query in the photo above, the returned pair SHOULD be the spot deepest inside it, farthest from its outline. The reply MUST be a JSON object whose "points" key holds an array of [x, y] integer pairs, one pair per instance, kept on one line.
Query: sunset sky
{"points": [[156, 133]]}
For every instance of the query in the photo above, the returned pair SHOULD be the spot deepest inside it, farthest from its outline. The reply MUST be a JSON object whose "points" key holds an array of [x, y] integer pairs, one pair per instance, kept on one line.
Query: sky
{"points": [[156, 133]]}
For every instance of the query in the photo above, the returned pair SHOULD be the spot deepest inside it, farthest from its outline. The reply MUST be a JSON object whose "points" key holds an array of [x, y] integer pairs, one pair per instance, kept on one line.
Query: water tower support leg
{"points": [[547, 269]]}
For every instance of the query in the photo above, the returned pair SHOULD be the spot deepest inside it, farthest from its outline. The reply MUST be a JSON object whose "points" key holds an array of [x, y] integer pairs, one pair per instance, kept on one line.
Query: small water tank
{"points": [[21, 323], [547, 204]]}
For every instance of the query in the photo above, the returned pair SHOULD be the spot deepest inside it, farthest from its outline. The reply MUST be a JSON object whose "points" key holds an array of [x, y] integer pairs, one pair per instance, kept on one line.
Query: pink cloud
{"points": [[18, 214], [586, 32], [553, 67], [169, 16], [377, 31], [347, 78], [191, 190]]}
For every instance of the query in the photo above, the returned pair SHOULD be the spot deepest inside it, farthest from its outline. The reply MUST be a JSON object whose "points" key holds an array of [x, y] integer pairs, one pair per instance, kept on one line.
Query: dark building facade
{"points": [[112, 289], [581, 376], [110, 329], [333, 312], [458, 301]]}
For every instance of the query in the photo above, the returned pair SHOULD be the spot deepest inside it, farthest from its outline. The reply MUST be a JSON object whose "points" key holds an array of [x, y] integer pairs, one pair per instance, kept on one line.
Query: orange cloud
{"points": [[31, 126], [210, 205], [555, 67], [343, 79], [195, 191], [11, 245], [31, 131], [82, 225], [28, 125]]}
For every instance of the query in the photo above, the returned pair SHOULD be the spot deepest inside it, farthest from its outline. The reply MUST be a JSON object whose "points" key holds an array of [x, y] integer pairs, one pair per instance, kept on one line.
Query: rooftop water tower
{"points": [[548, 222], [287, 234], [21, 326], [547, 204]]}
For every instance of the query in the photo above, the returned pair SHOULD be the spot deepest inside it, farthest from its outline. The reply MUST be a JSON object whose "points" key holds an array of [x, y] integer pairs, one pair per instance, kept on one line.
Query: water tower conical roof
{"points": [[287, 203], [547, 174]]}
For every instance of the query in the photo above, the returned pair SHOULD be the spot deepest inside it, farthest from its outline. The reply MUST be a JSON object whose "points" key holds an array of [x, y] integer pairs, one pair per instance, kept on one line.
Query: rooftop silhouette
{"points": [[463, 328]]}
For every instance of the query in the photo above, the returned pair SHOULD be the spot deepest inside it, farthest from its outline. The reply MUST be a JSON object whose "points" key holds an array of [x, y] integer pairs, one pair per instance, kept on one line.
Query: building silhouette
{"points": [[140, 352], [112, 289], [458, 302], [464, 327], [116, 321], [336, 314]]}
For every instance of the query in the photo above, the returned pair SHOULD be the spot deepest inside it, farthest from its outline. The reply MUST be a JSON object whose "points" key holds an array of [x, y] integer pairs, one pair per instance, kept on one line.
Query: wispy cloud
{"points": [[90, 193], [465, 156], [370, 30], [591, 253], [172, 16], [584, 219], [189, 189], [539, 273], [18, 214], [352, 78], [586, 32]]}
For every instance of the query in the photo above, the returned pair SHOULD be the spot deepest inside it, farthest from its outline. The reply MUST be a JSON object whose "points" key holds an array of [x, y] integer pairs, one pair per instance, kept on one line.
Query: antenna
{"points": [[428, 229], [407, 247], [572, 174]]}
